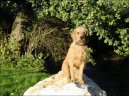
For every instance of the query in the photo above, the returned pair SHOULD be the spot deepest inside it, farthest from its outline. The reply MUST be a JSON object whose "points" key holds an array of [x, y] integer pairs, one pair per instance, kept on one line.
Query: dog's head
{"points": [[80, 36]]}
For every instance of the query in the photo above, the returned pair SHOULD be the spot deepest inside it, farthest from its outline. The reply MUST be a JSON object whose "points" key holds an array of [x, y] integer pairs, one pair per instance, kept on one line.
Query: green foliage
{"points": [[9, 59], [30, 62], [38, 5], [9, 4], [4, 51], [24, 62], [90, 58], [108, 19]]}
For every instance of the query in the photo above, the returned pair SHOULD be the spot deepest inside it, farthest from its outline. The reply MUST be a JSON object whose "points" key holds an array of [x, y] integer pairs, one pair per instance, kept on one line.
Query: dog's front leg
{"points": [[72, 74], [66, 69], [81, 81]]}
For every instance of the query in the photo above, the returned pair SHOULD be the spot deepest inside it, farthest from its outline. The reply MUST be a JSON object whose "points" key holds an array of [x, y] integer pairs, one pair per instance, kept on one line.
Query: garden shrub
{"points": [[30, 62], [9, 59]]}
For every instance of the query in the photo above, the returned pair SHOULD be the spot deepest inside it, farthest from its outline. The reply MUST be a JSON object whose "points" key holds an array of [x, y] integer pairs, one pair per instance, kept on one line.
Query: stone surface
{"points": [[61, 87]]}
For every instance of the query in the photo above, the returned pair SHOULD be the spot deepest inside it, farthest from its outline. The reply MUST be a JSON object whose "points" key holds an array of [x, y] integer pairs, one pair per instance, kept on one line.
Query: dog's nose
{"points": [[82, 37]]}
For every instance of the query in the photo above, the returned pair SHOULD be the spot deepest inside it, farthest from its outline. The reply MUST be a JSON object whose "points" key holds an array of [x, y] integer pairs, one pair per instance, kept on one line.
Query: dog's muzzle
{"points": [[82, 41], [82, 37]]}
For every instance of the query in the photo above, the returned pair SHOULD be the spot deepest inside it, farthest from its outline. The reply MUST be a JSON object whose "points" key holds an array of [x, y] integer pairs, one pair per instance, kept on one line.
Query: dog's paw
{"points": [[73, 80], [81, 82]]}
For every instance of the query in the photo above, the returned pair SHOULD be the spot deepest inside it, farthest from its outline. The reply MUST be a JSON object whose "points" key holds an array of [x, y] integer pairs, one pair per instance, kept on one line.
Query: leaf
{"points": [[127, 20], [117, 16]]}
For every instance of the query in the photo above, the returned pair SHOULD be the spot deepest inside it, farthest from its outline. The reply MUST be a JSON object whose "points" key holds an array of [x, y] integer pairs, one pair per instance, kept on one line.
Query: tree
{"points": [[19, 11], [108, 19]]}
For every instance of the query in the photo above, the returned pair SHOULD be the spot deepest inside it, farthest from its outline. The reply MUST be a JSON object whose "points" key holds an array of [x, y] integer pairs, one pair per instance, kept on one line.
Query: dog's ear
{"points": [[87, 36], [73, 33], [87, 32]]}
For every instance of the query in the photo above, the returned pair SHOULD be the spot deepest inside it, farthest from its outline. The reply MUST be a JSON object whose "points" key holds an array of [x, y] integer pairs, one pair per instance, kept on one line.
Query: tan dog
{"points": [[73, 65], [77, 56]]}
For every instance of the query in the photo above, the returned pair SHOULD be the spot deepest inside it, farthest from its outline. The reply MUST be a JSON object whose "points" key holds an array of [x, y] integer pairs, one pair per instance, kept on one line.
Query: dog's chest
{"points": [[80, 53], [77, 53]]}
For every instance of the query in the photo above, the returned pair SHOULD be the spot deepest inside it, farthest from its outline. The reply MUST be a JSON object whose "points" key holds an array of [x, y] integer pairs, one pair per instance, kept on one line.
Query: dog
{"points": [[77, 56], [75, 60]]}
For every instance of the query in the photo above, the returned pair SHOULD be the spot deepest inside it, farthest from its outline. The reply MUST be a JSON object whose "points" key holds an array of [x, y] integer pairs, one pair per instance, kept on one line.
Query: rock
{"points": [[62, 87]]}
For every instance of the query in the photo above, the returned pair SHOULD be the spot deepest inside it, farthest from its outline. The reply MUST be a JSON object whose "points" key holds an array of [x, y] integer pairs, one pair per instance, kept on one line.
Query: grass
{"points": [[14, 82]]}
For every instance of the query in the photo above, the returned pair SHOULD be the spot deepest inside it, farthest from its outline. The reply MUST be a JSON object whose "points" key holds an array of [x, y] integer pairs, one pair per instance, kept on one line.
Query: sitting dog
{"points": [[73, 65], [77, 56]]}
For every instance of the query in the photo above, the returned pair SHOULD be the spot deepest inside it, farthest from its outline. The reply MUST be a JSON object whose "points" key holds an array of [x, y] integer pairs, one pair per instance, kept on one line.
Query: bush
{"points": [[23, 62], [53, 41], [9, 59], [30, 62]]}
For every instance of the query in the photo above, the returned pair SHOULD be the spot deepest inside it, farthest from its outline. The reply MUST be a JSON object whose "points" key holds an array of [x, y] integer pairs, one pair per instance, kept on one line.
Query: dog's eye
{"points": [[84, 32], [77, 32]]}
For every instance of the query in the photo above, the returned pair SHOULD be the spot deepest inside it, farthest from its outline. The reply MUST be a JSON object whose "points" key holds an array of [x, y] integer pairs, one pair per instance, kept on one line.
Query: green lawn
{"points": [[15, 82]]}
